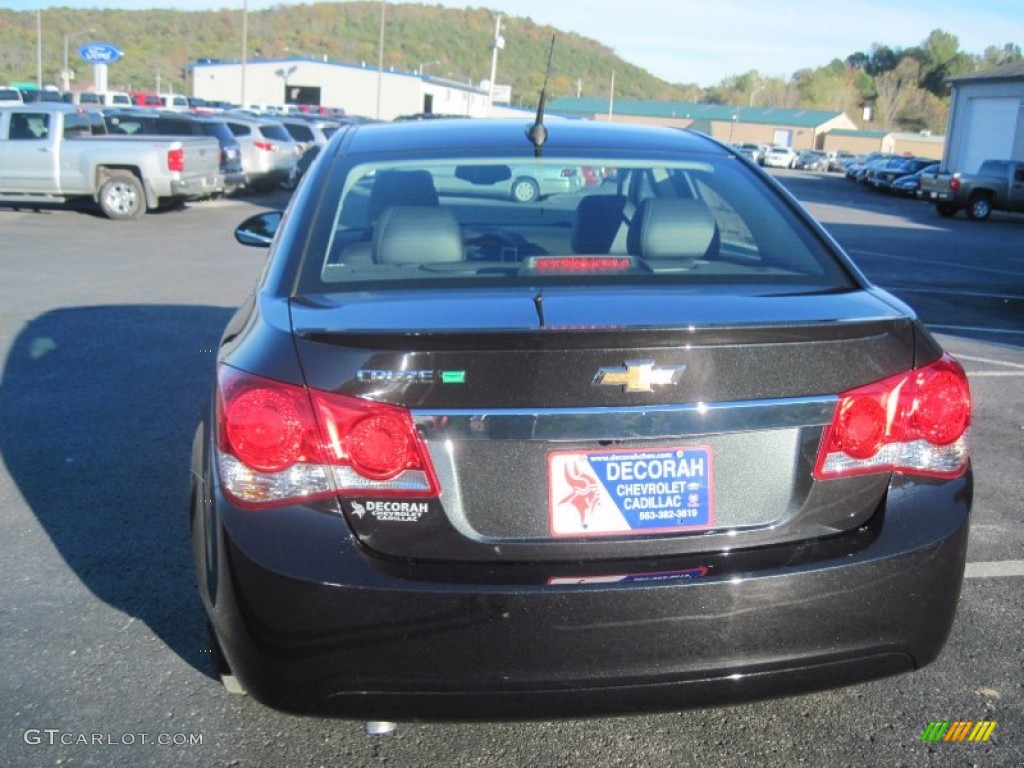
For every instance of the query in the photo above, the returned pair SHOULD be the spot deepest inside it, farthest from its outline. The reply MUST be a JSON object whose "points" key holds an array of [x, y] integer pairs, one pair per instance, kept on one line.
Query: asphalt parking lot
{"points": [[106, 337]]}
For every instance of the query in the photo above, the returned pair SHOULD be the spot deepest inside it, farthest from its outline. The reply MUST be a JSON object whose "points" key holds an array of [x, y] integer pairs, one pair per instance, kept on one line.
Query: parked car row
{"points": [[256, 151], [887, 172], [786, 157]]}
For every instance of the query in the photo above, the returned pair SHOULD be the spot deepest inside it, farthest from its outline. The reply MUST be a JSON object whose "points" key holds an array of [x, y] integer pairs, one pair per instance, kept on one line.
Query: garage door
{"points": [[989, 130]]}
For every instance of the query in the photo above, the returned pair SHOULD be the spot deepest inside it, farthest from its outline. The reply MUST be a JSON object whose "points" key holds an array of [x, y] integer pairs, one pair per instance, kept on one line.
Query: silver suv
{"points": [[269, 153]]}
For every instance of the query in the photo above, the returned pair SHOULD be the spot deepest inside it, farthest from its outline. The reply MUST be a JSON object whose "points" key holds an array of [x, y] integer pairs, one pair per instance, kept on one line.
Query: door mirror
{"points": [[259, 230]]}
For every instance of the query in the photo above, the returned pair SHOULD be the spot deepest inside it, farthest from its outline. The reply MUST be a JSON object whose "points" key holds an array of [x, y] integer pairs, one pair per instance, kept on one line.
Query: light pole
{"points": [[245, 45], [65, 74], [380, 56], [499, 43], [284, 74], [39, 50]]}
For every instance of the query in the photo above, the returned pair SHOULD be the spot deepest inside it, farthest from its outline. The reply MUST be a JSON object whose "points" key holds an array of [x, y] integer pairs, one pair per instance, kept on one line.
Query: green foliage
{"points": [[907, 86], [446, 42]]}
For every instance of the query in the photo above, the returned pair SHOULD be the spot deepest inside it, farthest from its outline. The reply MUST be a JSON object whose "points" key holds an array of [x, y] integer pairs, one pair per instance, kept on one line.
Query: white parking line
{"points": [[994, 570], [931, 263], [974, 328], [990, 361], [978, 294]]}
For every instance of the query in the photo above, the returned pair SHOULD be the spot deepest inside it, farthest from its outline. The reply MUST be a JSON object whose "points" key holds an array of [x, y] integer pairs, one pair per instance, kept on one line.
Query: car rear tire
{"points": [[122, 197], [946, 210], [525, 190], [979, 207]]}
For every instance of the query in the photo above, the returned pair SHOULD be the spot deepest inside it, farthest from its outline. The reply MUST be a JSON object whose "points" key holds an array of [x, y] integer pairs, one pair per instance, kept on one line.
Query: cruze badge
{"points": [[426, 376], [367, 376], [639, 376]]}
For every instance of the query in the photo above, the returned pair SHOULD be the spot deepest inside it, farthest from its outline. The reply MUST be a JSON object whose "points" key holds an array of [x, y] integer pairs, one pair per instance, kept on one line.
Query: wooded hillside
{"points": [[906, 86]]}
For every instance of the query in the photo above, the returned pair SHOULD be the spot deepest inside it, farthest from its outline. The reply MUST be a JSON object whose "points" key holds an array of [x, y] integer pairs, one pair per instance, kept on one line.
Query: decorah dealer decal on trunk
{"points": [[648, 491]]}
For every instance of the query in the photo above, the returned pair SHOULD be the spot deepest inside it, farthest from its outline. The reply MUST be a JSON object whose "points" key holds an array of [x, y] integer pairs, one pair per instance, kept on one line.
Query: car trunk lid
{"points": [[574, 424]]}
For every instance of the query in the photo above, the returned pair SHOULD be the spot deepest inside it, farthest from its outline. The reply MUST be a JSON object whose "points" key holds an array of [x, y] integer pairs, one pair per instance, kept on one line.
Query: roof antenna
{"points": [[538, 133]]}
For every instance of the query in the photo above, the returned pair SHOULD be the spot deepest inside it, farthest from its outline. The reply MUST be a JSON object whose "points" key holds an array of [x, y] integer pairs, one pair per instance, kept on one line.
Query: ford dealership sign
{"points": [[99, 53]]}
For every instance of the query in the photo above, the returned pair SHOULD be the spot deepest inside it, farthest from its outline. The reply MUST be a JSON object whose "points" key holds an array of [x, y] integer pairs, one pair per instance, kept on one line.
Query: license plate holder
{"points": [[630, 491]]}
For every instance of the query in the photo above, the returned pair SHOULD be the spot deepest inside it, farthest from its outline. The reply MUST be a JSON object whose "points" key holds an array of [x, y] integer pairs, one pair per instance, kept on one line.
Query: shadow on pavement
{"points": [[99, 405]]}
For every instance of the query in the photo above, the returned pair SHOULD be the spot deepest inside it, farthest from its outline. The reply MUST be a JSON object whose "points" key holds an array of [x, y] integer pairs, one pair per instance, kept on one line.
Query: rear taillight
{"points": [[915, 422], [954, 184], [279, 443], [266, 146], [176, 160]]}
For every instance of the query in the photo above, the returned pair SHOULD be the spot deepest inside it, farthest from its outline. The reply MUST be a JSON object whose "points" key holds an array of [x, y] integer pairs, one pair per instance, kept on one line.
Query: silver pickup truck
{"points": [[998, 185], [48, 154]]}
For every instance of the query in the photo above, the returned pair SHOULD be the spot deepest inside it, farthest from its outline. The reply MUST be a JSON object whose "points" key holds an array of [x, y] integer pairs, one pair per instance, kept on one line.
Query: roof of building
{"points": [[1013, 71], [859, 134], [254, 63], [804, 118]]}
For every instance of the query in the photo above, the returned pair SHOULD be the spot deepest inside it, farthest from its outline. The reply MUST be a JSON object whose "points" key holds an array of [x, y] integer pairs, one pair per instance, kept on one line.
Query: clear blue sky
{"points": [[704, 41]]}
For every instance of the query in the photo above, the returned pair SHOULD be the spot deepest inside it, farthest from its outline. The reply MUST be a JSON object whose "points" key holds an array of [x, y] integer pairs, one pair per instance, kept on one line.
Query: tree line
{"points": [[906, 88]]}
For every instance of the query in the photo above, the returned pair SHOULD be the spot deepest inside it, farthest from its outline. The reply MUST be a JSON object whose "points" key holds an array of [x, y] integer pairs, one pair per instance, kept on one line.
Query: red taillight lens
{"points": [[915, 422], [860, 426], [380, 448], [266, 146], [176, 159], [280, 442], [943, 407], [264, 428], [954, 184]]}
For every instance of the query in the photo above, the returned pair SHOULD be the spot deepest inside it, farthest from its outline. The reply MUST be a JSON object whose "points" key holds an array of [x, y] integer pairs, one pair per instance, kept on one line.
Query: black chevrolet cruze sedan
{"points": [[651, 444]]}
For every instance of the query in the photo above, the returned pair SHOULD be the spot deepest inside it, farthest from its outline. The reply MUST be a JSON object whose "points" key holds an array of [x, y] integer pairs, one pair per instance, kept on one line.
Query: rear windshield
{"points": [[577, 219], [300, 132], [275, 131]]}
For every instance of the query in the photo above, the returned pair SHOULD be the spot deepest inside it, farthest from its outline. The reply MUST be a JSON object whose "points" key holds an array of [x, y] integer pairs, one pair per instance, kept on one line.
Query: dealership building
{"points": [[356, 88], [986, 118]]}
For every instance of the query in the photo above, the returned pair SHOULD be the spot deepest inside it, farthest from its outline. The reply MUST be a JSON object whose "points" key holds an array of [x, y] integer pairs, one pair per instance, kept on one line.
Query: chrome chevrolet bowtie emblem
{"points": [[639, 376]]}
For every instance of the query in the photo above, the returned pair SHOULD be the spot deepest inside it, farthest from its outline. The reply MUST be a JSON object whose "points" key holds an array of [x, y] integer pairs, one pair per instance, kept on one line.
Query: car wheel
{"points": [[979, 207], [946, 210], [525, 190], [122, 197]]}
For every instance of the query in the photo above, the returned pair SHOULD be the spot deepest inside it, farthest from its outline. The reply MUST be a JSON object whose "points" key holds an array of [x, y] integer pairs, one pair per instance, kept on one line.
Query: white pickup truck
{"points": [[48, 154]]}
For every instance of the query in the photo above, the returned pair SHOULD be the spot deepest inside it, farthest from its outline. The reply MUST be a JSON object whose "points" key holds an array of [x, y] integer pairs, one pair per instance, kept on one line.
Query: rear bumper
{"points": [[233, 179], [197, 187], [312, 624]]}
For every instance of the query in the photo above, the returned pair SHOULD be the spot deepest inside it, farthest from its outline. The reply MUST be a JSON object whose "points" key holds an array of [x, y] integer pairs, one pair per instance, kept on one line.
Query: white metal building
{"points": [[986, 118], [352, 87]]}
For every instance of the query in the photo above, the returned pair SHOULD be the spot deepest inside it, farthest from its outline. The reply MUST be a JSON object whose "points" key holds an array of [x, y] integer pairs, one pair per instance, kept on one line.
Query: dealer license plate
{"points": [[598, 493]]}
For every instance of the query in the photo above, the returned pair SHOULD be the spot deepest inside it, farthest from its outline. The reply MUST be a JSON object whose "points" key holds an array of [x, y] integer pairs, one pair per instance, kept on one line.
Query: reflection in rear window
{"points": [[588, 219]]}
